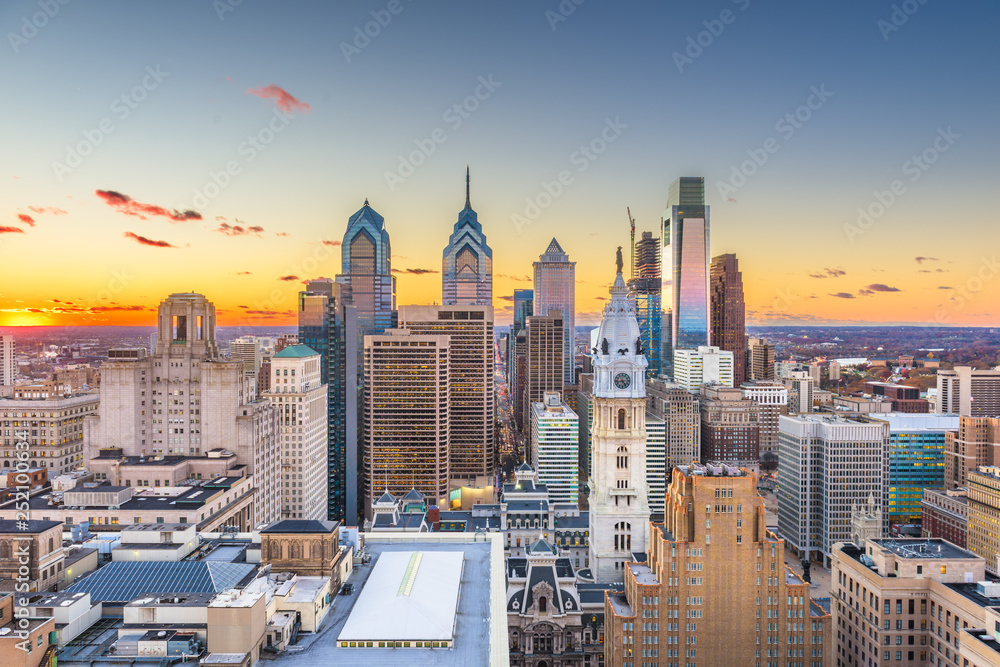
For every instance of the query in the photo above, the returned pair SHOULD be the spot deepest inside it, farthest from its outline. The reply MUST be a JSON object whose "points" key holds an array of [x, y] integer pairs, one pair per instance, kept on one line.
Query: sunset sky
{"points": [[119, 115]]}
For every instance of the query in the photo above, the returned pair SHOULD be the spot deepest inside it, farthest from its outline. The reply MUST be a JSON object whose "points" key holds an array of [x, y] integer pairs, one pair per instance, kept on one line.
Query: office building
{"points": [[248, 350], [520, 371], [619, 498], [646, 286], [555, 289], [656, 462], [328, 324], [760, 359], [772, 397], [968, 392], [903, 398], [826, 467], [703, 365], [467, 266], [911, 601], [686, 232], [728, 311], [713, 588], [472, 409], [915, 460], [975, 443], [31, 554], [187, 401], [681, 414], [543, 359], [945, 514], [301, 398], [55, 436], [984, 515], [524, 305], [406, 415], [585, 410], [730, 427], [8, 363], [366, 265], [800, 385], [555, 434]]}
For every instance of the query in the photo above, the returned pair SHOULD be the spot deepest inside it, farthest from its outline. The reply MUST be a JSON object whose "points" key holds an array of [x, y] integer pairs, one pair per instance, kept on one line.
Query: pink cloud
{"points": [[129, 206], [282, 98]]}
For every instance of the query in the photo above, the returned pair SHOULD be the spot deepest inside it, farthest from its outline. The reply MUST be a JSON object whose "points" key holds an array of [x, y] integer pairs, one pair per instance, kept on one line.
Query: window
{"points": [[621, 419]]}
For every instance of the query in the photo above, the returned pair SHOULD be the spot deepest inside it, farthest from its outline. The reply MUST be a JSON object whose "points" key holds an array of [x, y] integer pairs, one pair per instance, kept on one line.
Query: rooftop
{"points": [[123, 581], [924, 548], [301, 525], [712, 470], [33, 526]]}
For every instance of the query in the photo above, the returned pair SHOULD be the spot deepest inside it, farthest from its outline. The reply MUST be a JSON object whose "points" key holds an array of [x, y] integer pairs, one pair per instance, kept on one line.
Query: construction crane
{"points": [[631, 222]]}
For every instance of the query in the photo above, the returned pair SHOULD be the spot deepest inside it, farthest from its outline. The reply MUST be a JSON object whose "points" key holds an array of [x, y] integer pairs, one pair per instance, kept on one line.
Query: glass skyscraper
{"points": [[686, 232], [555, 289], [916, 461], [467, 266], [366, 265], [329, 325], [646, 287], [524, 307]]}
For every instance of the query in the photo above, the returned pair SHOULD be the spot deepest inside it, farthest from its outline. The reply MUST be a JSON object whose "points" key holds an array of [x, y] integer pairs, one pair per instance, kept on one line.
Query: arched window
{"points": [[542, 604], [621, 419], [622, 457], [623, 536]]}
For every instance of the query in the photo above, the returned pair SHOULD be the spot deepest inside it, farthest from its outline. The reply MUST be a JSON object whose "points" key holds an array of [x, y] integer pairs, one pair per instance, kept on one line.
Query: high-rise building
{"points": [[730, 427], [520, 384], [524, 305], [301, 397], [406, 415], [8, 364], [543, 359], [772, 397], [729, 312], [968, 392], [984, 515], [55, 438], [619, 505], [891, 597], [760, 359], [944, 513], [187, 401], [709, 566], [705, 364], [555, 289], [915, 462], [975, 443], [826, 467], [472, 410], [328, 324], [467, 266], [248, 350], [646, 286], [800, 385], [686, 231], [681, 415], [366, 265], [656, 462], [555, 434]]}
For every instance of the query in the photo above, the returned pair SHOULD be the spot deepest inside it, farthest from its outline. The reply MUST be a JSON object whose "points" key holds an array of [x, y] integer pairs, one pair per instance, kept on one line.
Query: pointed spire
{"points": [[468, 203], [366, 201]]}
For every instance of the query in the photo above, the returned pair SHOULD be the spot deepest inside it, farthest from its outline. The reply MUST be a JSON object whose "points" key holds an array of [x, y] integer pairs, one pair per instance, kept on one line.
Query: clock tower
{"points": [[619, 507]]}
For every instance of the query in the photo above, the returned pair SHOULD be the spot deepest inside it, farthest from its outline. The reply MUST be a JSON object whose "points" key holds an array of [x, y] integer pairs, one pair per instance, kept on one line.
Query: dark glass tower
{"points": [[329, 325], [729, 313], [646, 288], [467, 265], [524, 307], [366, 265], [686, 232]]}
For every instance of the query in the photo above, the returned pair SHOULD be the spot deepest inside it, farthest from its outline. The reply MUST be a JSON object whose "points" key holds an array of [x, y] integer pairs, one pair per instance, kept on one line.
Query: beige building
{"points": [[472, 417], [544, 367], [910, 601], [52, 425], [983, 531], [35, 545], [406, 415], [24, 642], [8, 363], [714, 589], [968, 392], [772, 397], [974, 444], [760, 358], [236, 626], [185, 401], [680, 411], [301, 398]]}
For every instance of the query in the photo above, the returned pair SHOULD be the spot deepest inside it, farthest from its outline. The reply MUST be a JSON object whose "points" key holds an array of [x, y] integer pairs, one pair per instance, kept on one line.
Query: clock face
{"points": [[623, 380]]}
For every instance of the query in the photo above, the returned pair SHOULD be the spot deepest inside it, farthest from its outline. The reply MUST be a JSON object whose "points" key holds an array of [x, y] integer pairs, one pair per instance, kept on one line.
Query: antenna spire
{"points": [[468, 204]]}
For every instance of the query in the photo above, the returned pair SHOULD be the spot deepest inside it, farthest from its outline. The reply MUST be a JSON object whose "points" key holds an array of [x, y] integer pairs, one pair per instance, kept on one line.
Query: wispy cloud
{"points": [[282, 98], [239, 230], [921, 260], [46, 209], [829, 273], [147, 241], [11, 230], [879, 287], [288, 279], [843, 295], [128, 206], [417, 272], [331, 243], [26, 219]]}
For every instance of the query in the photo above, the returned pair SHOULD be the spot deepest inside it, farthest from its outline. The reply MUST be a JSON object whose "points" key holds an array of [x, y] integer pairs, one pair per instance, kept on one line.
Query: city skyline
{"points": [[115, 151]]}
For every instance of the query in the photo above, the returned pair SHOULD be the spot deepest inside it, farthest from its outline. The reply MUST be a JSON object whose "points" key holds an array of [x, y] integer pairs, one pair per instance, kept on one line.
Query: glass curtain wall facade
{"points": [[467, 265], [366, 262], [646, 288], [555, 289]]}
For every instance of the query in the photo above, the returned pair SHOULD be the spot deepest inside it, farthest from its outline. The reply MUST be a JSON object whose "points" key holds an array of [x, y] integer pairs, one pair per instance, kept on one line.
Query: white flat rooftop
{"points": [[410, 595]]}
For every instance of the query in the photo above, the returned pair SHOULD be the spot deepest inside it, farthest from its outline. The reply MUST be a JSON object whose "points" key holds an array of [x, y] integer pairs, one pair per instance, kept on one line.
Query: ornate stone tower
{"points": [[866, 522], [619, 510]]}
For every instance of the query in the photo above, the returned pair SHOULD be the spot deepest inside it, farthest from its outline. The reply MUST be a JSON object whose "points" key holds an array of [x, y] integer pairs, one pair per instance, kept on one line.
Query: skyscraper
{"points": [[406, 415], [301, 398], [555, 289], [543, 360], [686, 231], [366, 265], [679, 410], [8, 367], [472, 410], [467, 266], [646, 286], [969, 392], [619, 497], [703, 365], [524, 305], [729, 312], [329, 325], [555, 436], [760, 359]]}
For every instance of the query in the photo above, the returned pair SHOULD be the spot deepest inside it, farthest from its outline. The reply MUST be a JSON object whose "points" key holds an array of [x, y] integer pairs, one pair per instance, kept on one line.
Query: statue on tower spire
{"points": [[618, 260]]}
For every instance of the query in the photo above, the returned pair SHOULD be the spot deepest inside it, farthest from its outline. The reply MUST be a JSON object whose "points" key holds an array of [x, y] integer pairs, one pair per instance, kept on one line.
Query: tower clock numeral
{"points": [[623, 381]]}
